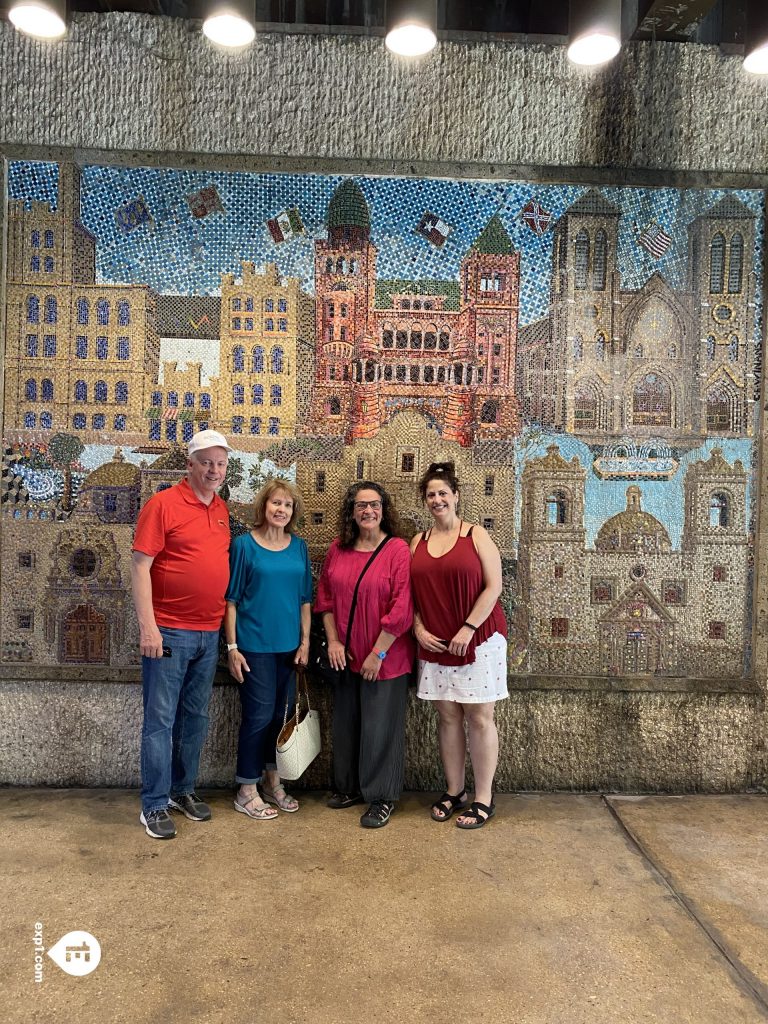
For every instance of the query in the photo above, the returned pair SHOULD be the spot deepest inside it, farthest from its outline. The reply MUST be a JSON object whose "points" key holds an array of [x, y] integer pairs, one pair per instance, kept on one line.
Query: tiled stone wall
{"points": [[144, 90]]}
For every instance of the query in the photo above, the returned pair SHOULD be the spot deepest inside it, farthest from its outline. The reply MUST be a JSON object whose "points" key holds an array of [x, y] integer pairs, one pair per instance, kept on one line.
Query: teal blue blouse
{"points": [[269, 588]]}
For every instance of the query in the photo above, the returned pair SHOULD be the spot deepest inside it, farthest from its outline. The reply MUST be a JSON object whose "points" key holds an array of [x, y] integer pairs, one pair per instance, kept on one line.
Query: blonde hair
{"points": [[270, 487]]}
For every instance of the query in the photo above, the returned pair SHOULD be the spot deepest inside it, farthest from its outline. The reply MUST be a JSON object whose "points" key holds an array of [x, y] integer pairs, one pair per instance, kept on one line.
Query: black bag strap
{"points": [[366, 567]]}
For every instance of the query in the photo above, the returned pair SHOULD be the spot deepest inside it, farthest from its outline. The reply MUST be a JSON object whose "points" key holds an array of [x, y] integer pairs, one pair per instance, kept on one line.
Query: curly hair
{"points": [[445, 471], [271, 487], [348, 531]]}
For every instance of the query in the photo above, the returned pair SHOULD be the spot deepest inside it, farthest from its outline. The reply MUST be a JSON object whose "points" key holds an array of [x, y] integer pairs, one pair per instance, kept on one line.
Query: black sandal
{"points": [[474, 812], [456, 802]]}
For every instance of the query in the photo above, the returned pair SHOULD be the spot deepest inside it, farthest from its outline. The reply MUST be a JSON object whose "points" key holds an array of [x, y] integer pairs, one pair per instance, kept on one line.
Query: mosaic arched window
{"points": [[600, 261], [557, 508], [48, 239], [238, 394], [119, 421], [102, 312], [257, 394], [720, 509], [585, 408], [334, 407], [600, 347], [30, 391], [30, 420], [733, 349], [83, 312], [277, 359], [719, 410], [49, 346], [32, 345], [154, 430], [716, 263], [46, 390], [257, 360], [102, 347], [81, 391], [121, 392], [173, 398], [237, 424], [123, 348], [578, 350], [79, 421], [100, 391], [81, 347], [275, 395], [157, 398], [36, 239], [238, 358], [489, 412], [652, 402], [269, 305], [274, 426], [205, 402], [735, 264], [711, 347], [99, 420], [581, 259], [189, 400], [33, 310], [255, 425], [387, 337]]}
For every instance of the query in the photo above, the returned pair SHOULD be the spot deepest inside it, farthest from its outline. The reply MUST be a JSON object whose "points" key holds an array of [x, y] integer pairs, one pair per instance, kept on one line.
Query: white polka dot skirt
{"points": [[483, 681]]}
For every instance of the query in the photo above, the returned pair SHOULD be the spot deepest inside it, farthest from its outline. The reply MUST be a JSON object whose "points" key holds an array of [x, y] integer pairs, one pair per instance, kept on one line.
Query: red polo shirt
{"points": [[189, 542]]}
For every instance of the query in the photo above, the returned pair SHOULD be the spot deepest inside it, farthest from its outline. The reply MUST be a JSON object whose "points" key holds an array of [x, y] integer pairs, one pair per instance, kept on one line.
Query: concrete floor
{"points": [[565, 909]]}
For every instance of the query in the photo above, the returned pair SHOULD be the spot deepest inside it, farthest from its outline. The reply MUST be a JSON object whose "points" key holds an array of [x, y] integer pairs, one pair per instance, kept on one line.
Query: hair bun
{"points": [[442, 467]]}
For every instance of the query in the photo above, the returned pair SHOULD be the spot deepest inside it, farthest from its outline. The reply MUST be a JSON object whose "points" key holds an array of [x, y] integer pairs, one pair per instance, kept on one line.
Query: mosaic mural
{"points": [[589, 357]]}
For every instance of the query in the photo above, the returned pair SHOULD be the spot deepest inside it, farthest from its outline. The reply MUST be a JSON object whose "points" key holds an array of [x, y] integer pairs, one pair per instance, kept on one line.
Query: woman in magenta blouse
{"points": [[371, 696]]}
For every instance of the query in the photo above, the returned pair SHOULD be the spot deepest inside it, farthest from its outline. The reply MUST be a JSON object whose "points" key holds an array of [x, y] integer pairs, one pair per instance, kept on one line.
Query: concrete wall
{"points": [[134, 89]]}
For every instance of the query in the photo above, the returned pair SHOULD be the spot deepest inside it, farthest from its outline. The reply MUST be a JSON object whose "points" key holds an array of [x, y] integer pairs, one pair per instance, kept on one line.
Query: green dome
{"points": [[348, 207], [494, 238]]}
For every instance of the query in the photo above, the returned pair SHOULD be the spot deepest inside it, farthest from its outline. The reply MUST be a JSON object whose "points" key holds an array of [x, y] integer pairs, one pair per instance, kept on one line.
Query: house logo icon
{"points": [[76, 953]]}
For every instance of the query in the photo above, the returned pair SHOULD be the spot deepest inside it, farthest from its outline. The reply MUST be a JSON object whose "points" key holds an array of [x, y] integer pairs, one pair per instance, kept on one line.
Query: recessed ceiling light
{"points": [[231, 24], [411, 26], [594, 31], [43, 20]]}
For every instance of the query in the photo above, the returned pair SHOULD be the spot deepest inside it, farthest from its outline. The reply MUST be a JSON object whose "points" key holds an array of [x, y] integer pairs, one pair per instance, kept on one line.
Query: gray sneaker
{"points": [[191, 806], [158, 824]]}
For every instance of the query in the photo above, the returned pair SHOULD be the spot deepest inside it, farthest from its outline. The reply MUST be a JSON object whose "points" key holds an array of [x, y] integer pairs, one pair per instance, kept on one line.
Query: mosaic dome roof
{"points": [[348, 207], [633, 530]]}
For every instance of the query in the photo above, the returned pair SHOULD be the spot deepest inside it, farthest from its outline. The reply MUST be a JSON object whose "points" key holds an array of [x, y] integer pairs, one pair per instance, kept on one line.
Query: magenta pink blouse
{"points": [[383, 602]]}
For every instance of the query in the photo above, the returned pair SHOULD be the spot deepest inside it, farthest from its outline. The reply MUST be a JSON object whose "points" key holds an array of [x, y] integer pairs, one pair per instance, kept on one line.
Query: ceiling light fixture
{"points": [[411, 27], [756, 38], [594, 31], [43, 19], [231, 23]]}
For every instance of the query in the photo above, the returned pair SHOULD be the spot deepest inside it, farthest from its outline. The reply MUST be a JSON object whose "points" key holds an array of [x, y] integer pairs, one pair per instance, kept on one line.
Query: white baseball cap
{"points": [[207, 439]]}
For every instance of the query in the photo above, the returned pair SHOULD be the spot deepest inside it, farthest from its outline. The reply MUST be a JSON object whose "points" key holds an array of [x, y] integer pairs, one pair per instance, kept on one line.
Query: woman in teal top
{"points": [[267, 627]]}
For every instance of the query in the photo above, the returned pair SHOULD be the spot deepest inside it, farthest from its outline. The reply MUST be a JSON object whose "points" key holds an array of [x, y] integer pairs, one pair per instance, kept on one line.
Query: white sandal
{"points": [[263, 813]]}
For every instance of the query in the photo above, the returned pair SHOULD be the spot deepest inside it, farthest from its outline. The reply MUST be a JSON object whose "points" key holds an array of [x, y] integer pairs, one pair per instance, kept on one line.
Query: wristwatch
{"points": [[231, 647], [381, 655]]}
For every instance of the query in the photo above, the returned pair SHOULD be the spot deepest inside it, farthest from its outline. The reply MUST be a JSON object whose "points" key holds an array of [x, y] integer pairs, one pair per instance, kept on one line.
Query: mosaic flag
{"points": [[285, 225], [434, 229], [132, 215], [204, 202], [654, 239], [536, 217]]}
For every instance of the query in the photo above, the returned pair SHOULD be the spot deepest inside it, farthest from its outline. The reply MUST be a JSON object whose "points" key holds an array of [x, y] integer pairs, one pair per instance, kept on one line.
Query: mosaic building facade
{"points": [[589, 358]]}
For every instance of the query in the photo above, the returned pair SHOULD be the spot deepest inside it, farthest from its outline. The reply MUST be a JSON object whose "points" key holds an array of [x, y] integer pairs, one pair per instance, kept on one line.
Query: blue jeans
{"points": [[270, 683], [176, 695]]}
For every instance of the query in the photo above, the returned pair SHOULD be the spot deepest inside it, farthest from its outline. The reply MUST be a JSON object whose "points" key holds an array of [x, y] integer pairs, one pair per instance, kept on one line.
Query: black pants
{"points": [[369, 736]]}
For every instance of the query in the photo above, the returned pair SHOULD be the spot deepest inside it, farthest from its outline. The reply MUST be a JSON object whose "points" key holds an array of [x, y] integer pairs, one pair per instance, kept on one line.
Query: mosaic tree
{"points": [[64, 451]]}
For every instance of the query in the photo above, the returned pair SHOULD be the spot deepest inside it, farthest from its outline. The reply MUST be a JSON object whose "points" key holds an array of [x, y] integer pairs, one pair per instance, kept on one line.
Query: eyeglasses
{"points": [[361, 506]]}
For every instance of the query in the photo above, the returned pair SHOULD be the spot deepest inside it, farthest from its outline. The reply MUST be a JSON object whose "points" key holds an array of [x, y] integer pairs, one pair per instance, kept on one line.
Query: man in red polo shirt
{"points": [[179, 573]]}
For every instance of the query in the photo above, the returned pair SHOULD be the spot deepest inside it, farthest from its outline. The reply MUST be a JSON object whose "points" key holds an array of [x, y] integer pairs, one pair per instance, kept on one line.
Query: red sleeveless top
{"points": [[445, 590]]}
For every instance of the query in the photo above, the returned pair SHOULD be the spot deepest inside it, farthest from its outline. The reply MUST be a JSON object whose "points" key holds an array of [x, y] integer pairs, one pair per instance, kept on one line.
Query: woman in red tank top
{"points": [[461, 631]]}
